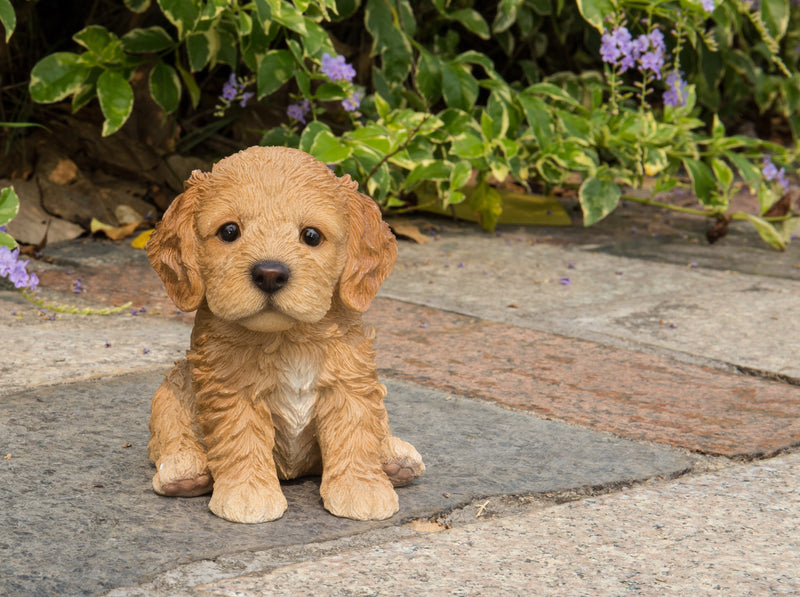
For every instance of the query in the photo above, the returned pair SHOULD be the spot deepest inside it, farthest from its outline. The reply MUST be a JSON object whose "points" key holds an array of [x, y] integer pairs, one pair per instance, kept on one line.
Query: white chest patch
{"points": [[292, 408]]}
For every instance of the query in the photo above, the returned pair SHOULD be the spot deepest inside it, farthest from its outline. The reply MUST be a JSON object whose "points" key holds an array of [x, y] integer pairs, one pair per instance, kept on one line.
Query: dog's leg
{"points": [[179, 456], [351, 424], [400, 461], [240, 438]]}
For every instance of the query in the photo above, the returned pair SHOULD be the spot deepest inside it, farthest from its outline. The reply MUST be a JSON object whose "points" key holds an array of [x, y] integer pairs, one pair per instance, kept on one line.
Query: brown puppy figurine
{"points": [[279, 257]]}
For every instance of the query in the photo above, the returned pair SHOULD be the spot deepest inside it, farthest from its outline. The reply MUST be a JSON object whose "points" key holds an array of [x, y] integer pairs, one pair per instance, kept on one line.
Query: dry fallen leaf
{"points": [[426, 526], [65, 172], [408, 230], [113, 232]]}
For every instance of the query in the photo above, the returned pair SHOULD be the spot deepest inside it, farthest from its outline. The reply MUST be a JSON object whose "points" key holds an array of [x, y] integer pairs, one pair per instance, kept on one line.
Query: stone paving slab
{"points": [[76, 347], [79, 516], [732, 532], [748, 258], [698, 314], [637, 395]]}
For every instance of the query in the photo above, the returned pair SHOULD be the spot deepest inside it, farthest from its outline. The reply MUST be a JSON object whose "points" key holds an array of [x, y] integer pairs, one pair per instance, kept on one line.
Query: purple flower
{"points": [[616, 47], [708, 5], [652, 61], [657, 40], [352, 103], [230, 89], [336, 68], [246, 97], [565, 281], [77, 286], [677, 92], [771, 172], [299, 110], [15, 269]]}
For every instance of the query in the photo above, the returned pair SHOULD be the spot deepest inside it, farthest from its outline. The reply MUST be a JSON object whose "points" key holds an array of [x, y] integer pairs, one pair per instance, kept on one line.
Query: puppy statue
{"points": [[279, 257]]}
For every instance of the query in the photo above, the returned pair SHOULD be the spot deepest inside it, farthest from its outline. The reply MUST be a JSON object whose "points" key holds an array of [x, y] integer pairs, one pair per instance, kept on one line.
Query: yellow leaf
{"points": [[140, 241], [114, 233]]}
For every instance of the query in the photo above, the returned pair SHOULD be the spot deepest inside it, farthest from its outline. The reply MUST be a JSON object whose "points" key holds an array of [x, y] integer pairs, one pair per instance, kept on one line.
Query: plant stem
{"points": [[400, 148]]}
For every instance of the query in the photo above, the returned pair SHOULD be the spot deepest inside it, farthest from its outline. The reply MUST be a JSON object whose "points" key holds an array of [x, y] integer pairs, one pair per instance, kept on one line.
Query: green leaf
{"points": [[9, 205], [723, 174], [191, 85], [274, 69], [595, 12], [462, 171], [598, 199], [329, 92], [775, 14], [748, 171], [288, 16], [199, 49], [310, 133], [8, 17], [146, 41], [472, 21], [87, 91], [328, 148], [538, 117], [184, 14], [766, 230], [459, 87], [227, 51], [317, 41], [6, 240], [95, 38], [436, 170], [389, 42], [702, 180], [116, 100], [165, 87], [506, 15], [469, 145], [56, 76], [137, 5], [556, 93], [429, 76], [487, 203], [382, 106]]}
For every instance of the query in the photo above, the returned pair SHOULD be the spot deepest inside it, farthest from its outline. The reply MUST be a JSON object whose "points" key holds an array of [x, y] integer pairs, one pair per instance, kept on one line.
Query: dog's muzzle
{"points": [[270, 276]]}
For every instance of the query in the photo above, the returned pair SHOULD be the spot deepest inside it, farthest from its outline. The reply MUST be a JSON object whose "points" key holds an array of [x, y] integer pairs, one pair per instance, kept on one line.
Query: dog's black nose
{"points": [[270, 276]]}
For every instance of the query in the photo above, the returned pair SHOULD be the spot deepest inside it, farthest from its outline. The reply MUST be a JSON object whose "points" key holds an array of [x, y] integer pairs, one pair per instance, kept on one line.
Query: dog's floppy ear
{"points": [[172, 249], [371, 250]]}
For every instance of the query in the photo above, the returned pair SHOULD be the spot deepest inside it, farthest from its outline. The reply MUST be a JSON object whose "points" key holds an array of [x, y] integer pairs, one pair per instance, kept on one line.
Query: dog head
{"points": [[269, 238]]}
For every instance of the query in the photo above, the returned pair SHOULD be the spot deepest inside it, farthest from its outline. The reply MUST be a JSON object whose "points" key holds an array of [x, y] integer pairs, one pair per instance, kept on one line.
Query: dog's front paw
{"points": [[182, 474], [359, 499], [248, 502]]}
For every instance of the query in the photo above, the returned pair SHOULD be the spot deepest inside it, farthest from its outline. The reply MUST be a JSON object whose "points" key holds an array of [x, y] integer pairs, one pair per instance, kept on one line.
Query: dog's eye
{"points": [[228, 233], [311, 236]]}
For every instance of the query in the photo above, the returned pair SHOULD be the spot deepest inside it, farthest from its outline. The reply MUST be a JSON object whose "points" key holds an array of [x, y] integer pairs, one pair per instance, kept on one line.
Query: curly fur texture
{"points": [[280, 378]]}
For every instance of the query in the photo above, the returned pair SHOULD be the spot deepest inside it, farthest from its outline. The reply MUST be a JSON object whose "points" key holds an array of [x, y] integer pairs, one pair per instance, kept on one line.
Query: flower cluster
{"points": [[771, 173], [708, 5], [646, 52], [337, 70], [15, 269], [232, 90], [676, 92], [300, 110]]}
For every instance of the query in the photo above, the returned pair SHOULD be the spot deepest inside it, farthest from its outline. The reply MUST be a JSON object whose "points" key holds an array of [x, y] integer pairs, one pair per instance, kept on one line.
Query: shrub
{"points": [[452, 97]]}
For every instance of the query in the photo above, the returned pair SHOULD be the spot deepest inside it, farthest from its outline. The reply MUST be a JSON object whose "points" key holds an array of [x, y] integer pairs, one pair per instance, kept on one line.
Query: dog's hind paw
{"points": [[400, 461], [183, 474]]}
